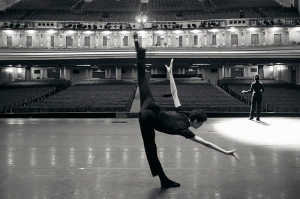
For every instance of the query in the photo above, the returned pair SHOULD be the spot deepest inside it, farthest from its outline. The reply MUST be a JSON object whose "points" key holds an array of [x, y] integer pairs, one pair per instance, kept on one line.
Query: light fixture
{"points": [[125, 32], [194, 31], [142, 32], [271, 68], [19, 70], [214, 30], [8, 31], [275, 28], [70, 32], [160, 32], [30, 31], [10, 70], [178, 31], [88, 32], [232, 29], [252, 29], [141, 18], [106, 32], [51, 31]]}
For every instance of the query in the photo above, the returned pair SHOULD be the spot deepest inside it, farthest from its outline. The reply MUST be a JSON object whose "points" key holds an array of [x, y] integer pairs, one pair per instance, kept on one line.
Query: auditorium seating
{"points": [[196, 94], [279, 96], [17, 94], [89, 96], [63, 17], [175, 6], [111, 6], [45, 5]]}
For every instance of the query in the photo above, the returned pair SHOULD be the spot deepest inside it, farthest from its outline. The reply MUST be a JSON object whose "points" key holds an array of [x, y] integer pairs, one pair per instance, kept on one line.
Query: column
{"points": [[187, 40], [261, 71], [60, 38], [205, 43], [28, 73], [265, 36], [107, 73], [78, 40], [118, 73], [97, 40], [132, 74]]}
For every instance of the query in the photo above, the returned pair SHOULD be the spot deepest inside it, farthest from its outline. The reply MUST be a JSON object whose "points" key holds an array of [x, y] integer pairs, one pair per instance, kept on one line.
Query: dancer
{"points": [[257, 88], [152, 117]]}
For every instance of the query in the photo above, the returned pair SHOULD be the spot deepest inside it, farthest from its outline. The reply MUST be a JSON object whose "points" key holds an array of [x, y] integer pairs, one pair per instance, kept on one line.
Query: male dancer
{"points": [[257, 88], [152, 117]]}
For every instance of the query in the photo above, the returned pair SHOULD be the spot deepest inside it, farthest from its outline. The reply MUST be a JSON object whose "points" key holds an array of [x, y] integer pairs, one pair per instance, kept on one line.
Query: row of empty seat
{"points": [[196, 95], [44, 5], [279, 96], [87, 96], [18, 94]]}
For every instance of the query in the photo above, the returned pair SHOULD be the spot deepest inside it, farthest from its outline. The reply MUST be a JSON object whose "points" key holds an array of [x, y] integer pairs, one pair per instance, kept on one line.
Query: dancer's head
{"points": [[197, 117], [256, 77]]}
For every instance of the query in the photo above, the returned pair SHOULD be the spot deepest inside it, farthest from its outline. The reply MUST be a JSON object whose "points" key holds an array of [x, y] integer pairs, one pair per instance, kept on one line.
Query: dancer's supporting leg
{"points": [[148, 112], [253, 106], [258, 108]]}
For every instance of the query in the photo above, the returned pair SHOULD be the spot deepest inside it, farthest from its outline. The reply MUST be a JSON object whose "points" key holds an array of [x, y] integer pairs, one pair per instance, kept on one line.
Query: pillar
{"points": [[107, 73], [118, 73], [28, 73], [261, 71]]}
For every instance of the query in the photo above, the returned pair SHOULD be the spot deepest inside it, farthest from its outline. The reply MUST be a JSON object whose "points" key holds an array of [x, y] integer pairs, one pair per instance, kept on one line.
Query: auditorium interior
{"points": [[66, 65]]}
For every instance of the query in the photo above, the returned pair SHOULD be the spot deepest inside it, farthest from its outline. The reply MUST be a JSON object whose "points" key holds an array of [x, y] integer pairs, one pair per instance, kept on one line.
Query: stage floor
{"points": [[105, 158]]}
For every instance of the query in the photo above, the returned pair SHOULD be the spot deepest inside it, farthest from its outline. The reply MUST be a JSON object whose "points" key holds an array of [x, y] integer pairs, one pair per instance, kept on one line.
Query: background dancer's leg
{"points": [[253, 106]]}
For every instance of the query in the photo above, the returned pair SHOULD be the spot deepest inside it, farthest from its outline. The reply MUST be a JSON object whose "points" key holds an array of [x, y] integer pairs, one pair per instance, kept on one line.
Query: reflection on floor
{"points": [[105, 158]]}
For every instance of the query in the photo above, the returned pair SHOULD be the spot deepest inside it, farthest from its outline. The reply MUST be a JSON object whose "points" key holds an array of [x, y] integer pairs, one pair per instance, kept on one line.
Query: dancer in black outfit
{"points": [[152, 117], [257, 88]]}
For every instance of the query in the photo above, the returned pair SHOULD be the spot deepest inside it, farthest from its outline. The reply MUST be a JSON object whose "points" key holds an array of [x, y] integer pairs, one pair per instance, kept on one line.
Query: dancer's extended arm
{"points": [[249, 91], [173, 85], [215, 147]]}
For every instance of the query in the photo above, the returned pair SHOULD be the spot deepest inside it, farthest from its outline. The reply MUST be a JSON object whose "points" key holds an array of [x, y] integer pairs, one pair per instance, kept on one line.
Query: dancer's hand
{"points": [[243, 91], [234, 154], [169, 68]]}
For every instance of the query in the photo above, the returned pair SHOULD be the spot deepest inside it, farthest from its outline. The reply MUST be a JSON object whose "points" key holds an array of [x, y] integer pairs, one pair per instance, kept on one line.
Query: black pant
{"points": [[256, 99], [148, 115]]}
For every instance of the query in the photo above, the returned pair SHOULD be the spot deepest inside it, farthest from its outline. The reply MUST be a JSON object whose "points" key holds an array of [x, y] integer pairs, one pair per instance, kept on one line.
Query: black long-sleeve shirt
{"points": [[257, 88]]}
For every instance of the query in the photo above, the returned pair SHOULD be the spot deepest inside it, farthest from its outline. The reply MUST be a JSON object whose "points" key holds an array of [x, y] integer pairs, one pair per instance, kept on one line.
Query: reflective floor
{"points": [[104, 158]]}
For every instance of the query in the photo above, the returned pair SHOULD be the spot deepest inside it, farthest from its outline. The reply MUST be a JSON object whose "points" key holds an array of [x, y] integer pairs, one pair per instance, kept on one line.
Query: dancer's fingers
{"points": [[236, 156]]}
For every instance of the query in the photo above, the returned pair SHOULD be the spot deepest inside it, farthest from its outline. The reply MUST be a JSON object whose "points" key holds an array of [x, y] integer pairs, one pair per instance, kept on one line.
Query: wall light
{"points": [[51, 31], [178, 31], [297, 28], [8, 31], [214, 30], [88, 32], [232, 29], [10, 70], [160, 32], [106, 32], [142, 32], [70, 32], [30, 31], [195, 31], [252, 29], [125, 32]]}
